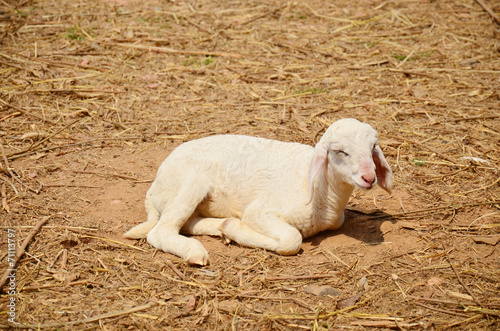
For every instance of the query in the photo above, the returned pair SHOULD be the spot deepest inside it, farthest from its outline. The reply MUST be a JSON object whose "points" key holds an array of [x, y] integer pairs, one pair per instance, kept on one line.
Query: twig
{"points": [[5, 206], [484, 187], [325, 315], [69, 185], [6, 161], [441, 310], [21, 250], [72, 228], [177, 271], [10, 115], [45, 139], [115, 242], [90, 319], [485, 311], [10, 183], [172, 51], [194, 284], [386, 324], [471, 118], [460, 279], [446, 302], [15, 155], [297, 301], [315, 13], [443, 208], [405, 59], [41, 287], [104, 174], [72, 91], [66, 64], [271, 12], [441, 155], [334, 274], [4, 157], [199, 27], [489, 11], [24, 112], [409, 72], [475, 317]]}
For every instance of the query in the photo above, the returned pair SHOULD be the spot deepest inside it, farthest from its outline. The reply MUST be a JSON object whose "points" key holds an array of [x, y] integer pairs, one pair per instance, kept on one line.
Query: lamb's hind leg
{"points": [[165, 235], [199, 225], [141, 230], [267, 231]]}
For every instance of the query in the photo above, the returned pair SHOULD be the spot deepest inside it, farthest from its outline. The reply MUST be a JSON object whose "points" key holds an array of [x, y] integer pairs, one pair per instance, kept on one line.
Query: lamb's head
{"points": [[349, 151]]}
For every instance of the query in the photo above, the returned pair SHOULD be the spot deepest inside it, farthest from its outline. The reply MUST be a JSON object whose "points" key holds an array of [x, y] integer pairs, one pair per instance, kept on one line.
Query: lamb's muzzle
{"points": [[259, 192]]}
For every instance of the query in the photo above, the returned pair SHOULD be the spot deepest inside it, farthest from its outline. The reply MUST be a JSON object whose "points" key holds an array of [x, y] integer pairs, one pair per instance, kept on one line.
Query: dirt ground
{"points": [[95, 94]]}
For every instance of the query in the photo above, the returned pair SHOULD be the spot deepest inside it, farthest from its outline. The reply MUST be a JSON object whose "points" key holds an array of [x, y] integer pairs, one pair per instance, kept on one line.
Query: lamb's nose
{"points": [[369, 179]]}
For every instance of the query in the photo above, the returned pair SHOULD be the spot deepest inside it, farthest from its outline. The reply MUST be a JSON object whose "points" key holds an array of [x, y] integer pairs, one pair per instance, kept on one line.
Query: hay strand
{"points": [[21, 250]]}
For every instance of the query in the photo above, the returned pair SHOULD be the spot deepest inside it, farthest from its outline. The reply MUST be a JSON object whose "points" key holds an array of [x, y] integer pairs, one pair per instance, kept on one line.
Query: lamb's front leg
{"points": [[189, 249], [268, 231], [165, 235]]}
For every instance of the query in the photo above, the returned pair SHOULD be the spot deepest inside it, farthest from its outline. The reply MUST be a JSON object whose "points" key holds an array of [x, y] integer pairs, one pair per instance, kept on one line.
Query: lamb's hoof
{"points": [[198, 260], [225, 225], [223, 228], [225, 240], [197, 254]]}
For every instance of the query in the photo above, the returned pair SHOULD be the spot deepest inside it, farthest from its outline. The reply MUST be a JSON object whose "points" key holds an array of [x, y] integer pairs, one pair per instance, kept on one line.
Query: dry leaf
{"points": [[85, 62], [490, 240], [475, 159], [37, 73], [434, 281], [155, 86], [64, 276], [419, 93], [349, 302], [18, 81], [474, 93], [363, 284], [191, 304], [38, 156], [31, 135], [128, 34], [460, 295], [322, 290], [81, 113], [228, 306], [468, 62], [150, 78]]}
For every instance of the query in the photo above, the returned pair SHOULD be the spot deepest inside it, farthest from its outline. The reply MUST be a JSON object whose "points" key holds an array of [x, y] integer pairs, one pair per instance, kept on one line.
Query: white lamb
{"points": [[259, 192]]}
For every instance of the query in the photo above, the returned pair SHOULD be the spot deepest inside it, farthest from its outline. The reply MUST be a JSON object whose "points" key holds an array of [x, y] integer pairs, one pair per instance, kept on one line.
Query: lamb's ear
{"points": [[382, 169], [318, 161]]}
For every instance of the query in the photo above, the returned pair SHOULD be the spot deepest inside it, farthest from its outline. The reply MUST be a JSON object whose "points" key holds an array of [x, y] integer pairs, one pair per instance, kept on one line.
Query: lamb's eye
{"points": [[341, 152]]}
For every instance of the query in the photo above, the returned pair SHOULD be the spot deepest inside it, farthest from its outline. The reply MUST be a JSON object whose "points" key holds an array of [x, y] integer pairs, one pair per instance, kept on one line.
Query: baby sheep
{"points": [[259, 192]]}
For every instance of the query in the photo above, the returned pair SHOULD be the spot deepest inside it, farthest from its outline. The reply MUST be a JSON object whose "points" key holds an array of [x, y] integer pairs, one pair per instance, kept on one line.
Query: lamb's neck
{"points": [[330, 200]]}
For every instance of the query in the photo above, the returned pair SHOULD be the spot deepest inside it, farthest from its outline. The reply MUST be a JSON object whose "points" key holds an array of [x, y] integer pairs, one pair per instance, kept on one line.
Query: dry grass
{"points": [[94, 94]]}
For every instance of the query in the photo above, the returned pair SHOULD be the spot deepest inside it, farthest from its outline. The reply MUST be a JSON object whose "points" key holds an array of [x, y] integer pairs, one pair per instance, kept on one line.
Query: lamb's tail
{"points": [[141, 230]]}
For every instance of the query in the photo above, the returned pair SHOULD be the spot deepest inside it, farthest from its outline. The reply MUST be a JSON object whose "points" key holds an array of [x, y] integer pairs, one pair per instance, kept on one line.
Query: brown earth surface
{"points": [[95, 94]]}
